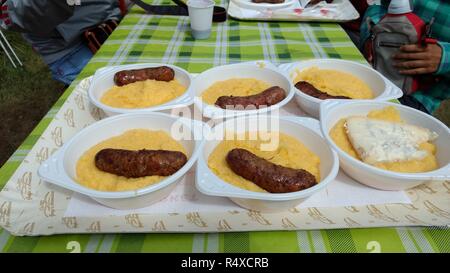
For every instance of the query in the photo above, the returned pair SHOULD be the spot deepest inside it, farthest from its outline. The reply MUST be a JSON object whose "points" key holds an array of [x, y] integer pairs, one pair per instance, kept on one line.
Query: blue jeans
{"points": [[66, 69]]}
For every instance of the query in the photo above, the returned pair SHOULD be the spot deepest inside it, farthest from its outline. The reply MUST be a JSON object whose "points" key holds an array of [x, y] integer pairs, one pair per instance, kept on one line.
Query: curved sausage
{"points": [[271, 177], [309, 89], [268, 97], [161, 73], [314, 2], [133, 164]]}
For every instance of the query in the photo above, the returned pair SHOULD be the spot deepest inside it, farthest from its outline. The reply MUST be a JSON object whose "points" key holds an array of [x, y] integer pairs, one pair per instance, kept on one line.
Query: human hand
{"points": [[415, 59]]}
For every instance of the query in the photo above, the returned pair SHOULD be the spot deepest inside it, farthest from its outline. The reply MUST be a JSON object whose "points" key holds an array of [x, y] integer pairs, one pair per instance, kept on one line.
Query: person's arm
{"points": [[444, 67], [39, 17]]}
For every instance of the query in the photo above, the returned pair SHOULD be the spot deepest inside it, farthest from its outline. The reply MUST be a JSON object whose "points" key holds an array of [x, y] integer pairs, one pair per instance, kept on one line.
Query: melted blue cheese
{"points": [[378, 141]]}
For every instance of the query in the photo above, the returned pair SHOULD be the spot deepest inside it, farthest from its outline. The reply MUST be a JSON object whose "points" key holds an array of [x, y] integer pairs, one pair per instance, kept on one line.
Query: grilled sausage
{"points": [[268, 97], [133, 164], [309, 89], [161, 73], [271, 177], [268, 1], [314, 2]]}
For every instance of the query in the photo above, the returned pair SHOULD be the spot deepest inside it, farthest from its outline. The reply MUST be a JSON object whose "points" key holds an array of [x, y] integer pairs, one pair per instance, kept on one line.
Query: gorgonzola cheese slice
{"points": [[384, 141]]}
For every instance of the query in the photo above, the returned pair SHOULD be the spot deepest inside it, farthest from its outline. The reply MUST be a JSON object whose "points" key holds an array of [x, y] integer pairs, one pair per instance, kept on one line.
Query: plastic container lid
{"points": [[399, 7]]}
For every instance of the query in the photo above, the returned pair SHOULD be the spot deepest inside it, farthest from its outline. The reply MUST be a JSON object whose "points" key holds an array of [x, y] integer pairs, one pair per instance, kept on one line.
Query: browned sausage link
{"points": [[133, 164], [161, 73], [314, 2], [271, 177], [309, 89], [268, 97], [268, 1]]}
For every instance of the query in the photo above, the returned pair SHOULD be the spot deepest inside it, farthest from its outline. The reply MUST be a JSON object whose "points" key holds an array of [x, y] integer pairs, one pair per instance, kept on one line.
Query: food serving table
{"points": [[156, 39]]}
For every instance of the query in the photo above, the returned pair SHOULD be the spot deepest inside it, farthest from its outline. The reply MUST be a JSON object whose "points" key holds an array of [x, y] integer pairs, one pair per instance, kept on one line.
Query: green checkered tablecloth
{"points": [[141, 38]]}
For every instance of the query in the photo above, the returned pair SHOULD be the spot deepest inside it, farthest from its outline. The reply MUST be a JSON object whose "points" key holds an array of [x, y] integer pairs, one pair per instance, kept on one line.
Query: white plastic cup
{"points": [[200, 14]]}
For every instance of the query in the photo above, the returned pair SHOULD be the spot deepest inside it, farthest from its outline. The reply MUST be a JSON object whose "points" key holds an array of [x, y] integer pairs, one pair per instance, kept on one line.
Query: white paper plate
{"points": [[339, 11], [331, 111], [60, 168], [250, 5], [382, 88], [103, 80], [306, 130], [260, 70]]}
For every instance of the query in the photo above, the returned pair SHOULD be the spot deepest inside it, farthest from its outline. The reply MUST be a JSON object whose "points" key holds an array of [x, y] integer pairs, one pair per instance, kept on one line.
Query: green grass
{"points": [[26, 95]]}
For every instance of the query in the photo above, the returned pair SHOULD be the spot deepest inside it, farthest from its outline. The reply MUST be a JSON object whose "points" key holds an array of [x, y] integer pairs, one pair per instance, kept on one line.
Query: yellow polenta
{"points": [[143, 94], [233, 87], [90, 176], [289, 153], [335, 83], [339, 135]]}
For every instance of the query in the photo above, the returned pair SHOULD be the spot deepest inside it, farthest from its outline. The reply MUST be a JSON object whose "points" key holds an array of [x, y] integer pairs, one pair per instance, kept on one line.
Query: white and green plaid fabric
{"points": [[142, 38]]}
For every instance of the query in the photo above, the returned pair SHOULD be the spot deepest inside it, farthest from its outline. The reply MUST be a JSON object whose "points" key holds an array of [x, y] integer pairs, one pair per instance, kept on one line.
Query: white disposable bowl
{"points": [[332, 111], [305, 130], [60, 168], [382, 88], [103, 80], [260, 70], [248, 4]]}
